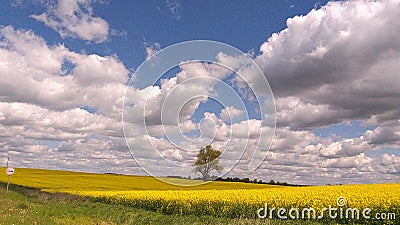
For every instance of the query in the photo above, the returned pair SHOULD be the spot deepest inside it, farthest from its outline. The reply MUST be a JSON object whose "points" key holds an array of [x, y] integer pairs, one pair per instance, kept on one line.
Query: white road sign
{"points": [[10, 171]]}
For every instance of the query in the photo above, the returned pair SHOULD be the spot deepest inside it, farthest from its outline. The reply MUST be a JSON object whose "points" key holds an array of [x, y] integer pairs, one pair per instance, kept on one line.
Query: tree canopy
{"points": [[207, 161]]}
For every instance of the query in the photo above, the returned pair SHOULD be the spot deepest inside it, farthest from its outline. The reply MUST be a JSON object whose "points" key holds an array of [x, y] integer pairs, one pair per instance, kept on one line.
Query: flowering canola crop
{"points": [[246, 202], [221, 199]]}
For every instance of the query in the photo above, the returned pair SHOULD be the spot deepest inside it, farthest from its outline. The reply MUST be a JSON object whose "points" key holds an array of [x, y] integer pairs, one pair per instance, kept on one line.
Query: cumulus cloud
{"points": [[33, 72], [295, 113], [33, 122], [96, 154], [334, 64], [176, 99], [328, 67], [44, 95], [350, 162], [286, 140], [327, 161], [75, 19], [384, 135], [345, 148], [230, 112]]}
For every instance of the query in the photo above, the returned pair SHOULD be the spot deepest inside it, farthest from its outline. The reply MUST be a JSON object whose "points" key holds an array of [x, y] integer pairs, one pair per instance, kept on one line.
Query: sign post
{"points": [[9, 171]]}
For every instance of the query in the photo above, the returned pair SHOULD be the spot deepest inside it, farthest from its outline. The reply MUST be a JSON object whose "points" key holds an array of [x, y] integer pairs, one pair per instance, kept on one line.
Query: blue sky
{"points": [[65, 68], [153, 21]]}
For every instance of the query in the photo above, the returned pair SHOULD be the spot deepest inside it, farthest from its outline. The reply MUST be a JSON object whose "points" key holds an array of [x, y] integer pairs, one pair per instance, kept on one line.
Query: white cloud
{"points": [[287, 140], [94, 154], [33, 122], [384, 135], [200, 69], [297, 114], [334, 64], [345, 148], [151, 48], [350, 162], [177, 98], [230, 112], [32, 72], [97, 70], [328, 67], [75, 19], [247, 129], [41, 121]]}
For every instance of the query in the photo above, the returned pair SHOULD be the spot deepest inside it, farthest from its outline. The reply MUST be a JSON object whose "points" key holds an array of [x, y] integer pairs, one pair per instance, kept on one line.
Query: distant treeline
{"points": [[243, 180], [255, 181]]}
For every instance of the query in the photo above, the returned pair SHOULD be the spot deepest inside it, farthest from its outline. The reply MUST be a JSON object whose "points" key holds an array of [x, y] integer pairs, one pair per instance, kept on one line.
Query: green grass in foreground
{"points": [[23, 205]]}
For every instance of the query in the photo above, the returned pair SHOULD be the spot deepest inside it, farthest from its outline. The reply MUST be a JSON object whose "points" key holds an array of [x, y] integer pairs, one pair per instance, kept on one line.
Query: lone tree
{"points": [[207, 161]]}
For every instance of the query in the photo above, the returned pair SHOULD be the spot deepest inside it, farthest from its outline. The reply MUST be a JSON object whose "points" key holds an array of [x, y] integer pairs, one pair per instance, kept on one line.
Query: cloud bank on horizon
{"points": [[334, 72]]}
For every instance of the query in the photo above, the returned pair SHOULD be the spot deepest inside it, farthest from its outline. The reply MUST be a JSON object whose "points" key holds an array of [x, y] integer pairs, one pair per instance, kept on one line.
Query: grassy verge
{"points": [[23, 205]]}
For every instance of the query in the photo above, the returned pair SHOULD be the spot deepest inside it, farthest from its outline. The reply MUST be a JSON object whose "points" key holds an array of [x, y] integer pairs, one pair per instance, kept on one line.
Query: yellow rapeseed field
{"points": [[246, 202], [221, 199]]}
